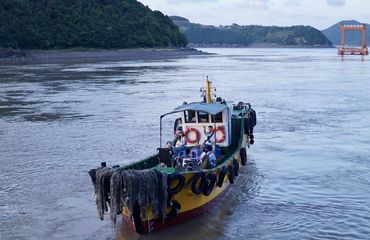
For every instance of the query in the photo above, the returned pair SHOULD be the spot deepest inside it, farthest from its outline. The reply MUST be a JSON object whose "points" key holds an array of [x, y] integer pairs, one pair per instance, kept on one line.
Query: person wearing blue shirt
{"points": [[208, 158]]}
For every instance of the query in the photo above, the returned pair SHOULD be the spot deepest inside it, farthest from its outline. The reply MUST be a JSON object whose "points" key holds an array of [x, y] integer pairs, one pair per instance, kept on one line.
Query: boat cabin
{"points": [[204, 122], [210, 124]]}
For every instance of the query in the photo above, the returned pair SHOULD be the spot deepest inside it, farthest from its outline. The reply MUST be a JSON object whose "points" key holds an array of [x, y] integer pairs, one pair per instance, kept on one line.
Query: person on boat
{"points": [[208, 158], [171, 149], [170, 146], [176, 135], [209, 135], [180, 142], [177, 125]]}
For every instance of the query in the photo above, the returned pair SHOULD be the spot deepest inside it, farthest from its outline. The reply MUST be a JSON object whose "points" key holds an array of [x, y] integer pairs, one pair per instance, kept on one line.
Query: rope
{"points": [[122, 189]]}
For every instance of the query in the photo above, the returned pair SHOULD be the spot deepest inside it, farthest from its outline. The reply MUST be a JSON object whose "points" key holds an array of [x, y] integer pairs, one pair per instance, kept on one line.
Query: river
{"points": [[308, 173]]}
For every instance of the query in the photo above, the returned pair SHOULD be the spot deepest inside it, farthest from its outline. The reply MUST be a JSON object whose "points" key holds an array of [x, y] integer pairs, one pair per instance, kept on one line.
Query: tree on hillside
{"points": [[49, 24]]}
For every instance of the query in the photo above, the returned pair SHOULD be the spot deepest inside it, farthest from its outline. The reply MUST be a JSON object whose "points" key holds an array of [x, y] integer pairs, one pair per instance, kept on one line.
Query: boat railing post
{"points": [[214, 126], [160, 132]]}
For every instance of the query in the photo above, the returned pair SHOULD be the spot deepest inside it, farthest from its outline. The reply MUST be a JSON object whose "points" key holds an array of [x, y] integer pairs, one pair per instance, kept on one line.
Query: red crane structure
{"points": [[353, 51]]}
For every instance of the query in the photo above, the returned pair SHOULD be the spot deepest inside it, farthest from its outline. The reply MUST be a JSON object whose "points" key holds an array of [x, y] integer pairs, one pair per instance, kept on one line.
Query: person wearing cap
{"points": [[208, 158]]}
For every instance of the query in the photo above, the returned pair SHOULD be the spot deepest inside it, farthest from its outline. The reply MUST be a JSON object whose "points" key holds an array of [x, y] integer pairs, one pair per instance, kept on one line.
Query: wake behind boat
{"points": [[188, 175]]}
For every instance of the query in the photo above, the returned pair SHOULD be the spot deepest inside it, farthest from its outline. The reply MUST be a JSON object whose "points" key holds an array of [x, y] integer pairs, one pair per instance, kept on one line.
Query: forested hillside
{"points": [[57, 24], [236, 35]]}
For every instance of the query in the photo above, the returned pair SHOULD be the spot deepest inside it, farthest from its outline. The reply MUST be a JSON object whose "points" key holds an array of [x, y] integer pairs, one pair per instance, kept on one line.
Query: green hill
{"points": [[353, 38], [57, 24], [235, 35]]}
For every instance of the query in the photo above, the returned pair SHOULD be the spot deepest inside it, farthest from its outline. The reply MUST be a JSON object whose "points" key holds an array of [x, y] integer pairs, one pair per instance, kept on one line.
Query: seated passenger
{"points": [[177, 125], [165, 155], [170, 147], [180, 142], [208, 158]]}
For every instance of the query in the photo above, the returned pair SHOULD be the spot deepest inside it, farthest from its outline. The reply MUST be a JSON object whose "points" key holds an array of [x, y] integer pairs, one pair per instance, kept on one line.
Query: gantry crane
{"points": [[353, 51]]}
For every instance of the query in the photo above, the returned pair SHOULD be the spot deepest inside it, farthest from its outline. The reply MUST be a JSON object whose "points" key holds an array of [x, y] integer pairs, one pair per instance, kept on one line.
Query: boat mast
{"points": [[208, 91], [209, 100]]}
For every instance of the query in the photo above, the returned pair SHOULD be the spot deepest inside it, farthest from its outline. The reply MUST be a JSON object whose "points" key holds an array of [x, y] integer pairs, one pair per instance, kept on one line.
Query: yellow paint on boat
{"points": [[189, 200]]}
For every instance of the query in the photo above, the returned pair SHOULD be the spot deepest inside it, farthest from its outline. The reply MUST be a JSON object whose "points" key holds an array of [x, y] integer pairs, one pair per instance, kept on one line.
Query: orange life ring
{"points": [[196, 133], [222, 130]]}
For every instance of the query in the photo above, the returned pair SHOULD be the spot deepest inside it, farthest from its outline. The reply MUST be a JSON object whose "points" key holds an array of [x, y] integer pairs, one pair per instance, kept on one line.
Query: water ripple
{"points": [[308, 172]]}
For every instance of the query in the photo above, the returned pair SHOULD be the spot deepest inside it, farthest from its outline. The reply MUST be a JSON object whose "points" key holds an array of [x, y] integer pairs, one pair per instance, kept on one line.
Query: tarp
{"points": [[210, 108]]}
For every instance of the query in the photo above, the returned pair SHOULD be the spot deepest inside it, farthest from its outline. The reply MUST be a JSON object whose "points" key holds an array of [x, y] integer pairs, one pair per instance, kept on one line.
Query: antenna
{"points": [[202, 80]]}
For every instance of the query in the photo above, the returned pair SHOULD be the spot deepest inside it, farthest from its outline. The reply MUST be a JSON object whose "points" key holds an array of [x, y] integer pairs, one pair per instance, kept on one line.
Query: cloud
{"points": [[336, 3], [294, 3], [185, 1], [252, 4]]}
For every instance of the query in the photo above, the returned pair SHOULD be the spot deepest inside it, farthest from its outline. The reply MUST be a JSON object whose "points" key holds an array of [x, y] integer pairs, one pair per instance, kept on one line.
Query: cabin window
{"points": [[190, 117], [218, 118], [203, 117]]}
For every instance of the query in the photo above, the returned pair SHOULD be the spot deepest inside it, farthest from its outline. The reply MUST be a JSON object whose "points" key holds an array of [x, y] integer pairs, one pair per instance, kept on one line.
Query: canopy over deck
{"points": [[210, 108]]}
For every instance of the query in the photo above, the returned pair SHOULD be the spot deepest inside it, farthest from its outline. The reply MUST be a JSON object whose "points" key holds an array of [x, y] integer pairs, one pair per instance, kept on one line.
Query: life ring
{"points": [[181, 183], [196, 133], [196, 187], [231, 174], [236, 167], [243, 156], [211, 181], [221, 176], [222, 130]]}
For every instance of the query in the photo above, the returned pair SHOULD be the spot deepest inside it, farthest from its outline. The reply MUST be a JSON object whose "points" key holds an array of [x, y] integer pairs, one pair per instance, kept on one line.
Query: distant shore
{"points": [[256, 45], [56, 56]]}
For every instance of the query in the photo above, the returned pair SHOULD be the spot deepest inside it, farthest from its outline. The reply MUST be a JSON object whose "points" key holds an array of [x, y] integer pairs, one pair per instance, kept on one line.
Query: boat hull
{"points": [[189, 203], [145, 227]]}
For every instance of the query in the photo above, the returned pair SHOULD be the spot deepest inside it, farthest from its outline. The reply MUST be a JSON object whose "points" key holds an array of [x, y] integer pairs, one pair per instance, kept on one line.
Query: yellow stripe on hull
{"points": [[189, 200]]}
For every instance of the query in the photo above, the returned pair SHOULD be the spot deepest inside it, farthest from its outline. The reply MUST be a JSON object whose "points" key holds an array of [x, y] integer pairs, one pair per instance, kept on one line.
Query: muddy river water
{"points": [[308, 175]]}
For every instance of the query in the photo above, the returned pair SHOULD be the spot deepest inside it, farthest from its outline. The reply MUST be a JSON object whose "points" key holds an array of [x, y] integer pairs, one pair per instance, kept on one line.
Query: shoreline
{"points": [[258, 45], [93, 55], [96, 55]]}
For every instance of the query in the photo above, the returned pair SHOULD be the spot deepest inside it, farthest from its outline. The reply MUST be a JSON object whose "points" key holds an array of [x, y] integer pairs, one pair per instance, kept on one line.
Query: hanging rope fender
{"points": [[231, 174], [221, 176], [196, 133], [236, 167], [243, 156], [177, 188], [198, 183], [133, 189], [222, 137], [211, 181]]}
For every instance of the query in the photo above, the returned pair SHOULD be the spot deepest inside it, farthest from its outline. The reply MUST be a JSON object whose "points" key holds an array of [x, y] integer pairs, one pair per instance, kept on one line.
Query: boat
{"points": [[169, 188]]}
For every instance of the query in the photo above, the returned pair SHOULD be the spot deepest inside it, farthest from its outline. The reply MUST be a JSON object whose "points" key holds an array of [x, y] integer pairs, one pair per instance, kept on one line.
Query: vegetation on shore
{"points": [[236, 35], [105, 24]]}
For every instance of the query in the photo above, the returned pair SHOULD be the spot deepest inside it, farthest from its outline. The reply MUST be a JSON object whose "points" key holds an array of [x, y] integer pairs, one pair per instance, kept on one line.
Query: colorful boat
{"points": [[175, 185]]}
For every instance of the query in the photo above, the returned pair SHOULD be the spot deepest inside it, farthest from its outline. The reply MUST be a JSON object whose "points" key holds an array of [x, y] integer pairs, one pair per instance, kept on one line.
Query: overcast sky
{"points": [[317, 13]]}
